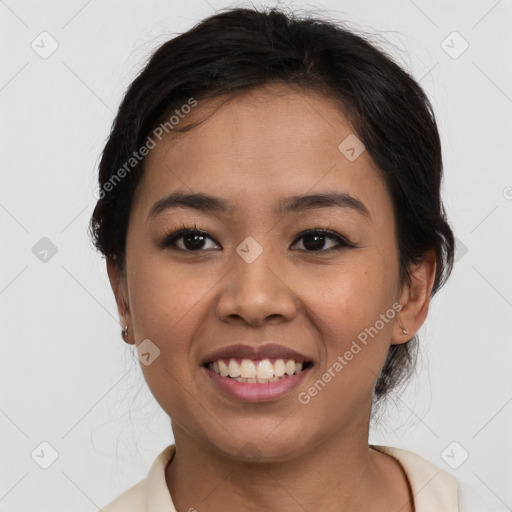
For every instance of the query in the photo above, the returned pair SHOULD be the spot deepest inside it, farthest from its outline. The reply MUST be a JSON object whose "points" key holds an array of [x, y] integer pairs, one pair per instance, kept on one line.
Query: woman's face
{"points": [[254, 280]]}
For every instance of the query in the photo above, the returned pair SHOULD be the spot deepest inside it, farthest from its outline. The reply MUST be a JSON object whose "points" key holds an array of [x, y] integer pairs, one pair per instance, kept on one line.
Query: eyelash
{"points": [[171, 239]]}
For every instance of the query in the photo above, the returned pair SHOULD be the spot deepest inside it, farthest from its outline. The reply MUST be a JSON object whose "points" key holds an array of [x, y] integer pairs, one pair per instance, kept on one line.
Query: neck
{"points": [[341, 474]]}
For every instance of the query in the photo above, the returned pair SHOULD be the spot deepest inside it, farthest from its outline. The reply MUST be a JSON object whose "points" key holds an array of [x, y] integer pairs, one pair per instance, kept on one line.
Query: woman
{"points": [[270, 212]]}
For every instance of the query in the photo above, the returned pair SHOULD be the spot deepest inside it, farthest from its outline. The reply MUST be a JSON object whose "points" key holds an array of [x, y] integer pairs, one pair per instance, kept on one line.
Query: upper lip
{"points": [[265, 351]]}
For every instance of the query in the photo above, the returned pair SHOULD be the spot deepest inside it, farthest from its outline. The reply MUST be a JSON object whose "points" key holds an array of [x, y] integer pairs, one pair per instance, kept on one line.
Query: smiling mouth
{"points": [[257, 371]]}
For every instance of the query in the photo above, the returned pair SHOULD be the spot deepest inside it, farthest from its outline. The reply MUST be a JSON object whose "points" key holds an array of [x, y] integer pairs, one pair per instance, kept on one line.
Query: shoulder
{"points": [[434, 488], [150, 494], [422, 474]]}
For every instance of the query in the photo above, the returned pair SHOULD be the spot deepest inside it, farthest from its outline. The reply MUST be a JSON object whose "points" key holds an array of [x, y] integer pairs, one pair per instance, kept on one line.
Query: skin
{"points": [[253, 151]]}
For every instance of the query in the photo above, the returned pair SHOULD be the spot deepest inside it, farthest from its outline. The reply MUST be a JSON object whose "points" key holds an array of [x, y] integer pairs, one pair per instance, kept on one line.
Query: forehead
{"points": [[260, 146]]}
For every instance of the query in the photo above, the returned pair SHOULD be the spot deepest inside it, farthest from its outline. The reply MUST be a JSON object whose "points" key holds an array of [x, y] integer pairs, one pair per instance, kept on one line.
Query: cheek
{"points": [[166, 305], [347, 308], [164, 297], [165, 308], [348, 303]]}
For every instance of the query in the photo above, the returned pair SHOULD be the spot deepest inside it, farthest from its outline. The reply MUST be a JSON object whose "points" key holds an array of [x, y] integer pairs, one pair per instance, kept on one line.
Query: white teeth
{"points": [[265, 370], [261, 371], [289, 367], [279, 368], [233, 368], [223, 368], [247, 369]]}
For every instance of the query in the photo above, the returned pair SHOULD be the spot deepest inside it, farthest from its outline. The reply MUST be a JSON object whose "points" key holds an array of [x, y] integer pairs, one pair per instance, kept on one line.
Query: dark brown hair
{"points": [[240, 49]]}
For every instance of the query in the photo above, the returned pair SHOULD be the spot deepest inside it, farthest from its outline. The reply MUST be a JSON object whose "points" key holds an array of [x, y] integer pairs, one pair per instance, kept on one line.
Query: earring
{"points": [[404, 331], [124, 332]]}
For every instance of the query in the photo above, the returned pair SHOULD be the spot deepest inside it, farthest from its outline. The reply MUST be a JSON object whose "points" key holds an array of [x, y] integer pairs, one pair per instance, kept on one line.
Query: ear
{"points": [[415, 299], [117, 279]]}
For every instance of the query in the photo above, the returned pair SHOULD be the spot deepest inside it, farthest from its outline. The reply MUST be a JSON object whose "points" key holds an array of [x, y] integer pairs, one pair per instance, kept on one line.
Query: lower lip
{"points": [[256, 392]]}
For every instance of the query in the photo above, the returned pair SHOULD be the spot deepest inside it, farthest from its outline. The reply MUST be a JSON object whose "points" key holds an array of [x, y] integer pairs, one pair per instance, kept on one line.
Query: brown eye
{"points": [[315, 240], [190, 240]]}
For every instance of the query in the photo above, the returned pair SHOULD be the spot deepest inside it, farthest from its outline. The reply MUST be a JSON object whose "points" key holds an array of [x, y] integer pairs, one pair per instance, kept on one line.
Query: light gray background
{"points": [[68, 379]]}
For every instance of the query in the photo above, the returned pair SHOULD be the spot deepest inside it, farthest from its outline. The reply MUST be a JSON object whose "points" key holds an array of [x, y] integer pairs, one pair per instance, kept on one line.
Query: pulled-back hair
{"points": [[240, 49]]}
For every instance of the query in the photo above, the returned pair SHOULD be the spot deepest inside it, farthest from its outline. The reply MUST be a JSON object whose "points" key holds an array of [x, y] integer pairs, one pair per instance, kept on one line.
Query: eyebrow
{"points": [[208, 203]]}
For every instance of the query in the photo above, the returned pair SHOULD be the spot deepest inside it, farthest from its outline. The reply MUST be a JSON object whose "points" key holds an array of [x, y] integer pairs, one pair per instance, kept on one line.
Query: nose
{"points": [[257, 293]]}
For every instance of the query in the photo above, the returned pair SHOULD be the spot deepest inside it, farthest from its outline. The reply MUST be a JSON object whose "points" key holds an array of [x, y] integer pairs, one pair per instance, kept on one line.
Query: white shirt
{"points": [[433, 489]]}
